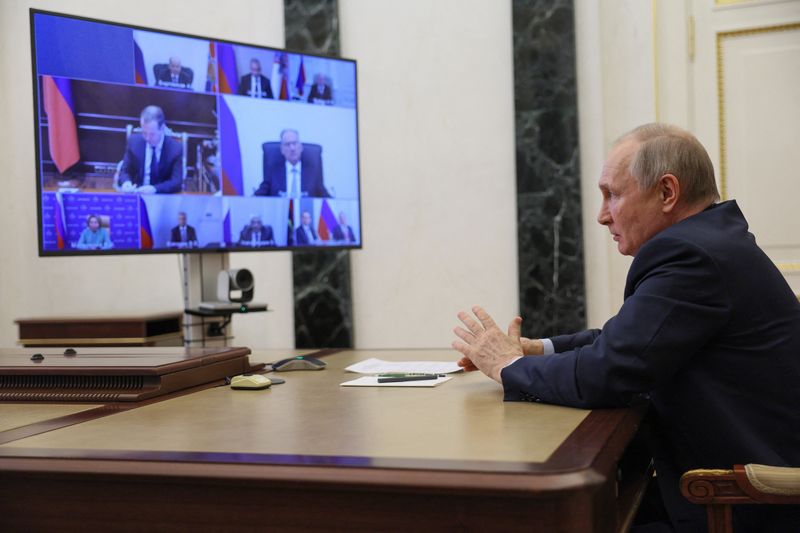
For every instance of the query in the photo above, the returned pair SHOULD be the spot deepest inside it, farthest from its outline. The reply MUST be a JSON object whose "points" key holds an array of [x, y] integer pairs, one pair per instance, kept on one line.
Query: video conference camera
{"points": [[235, 289], [235, 285]]}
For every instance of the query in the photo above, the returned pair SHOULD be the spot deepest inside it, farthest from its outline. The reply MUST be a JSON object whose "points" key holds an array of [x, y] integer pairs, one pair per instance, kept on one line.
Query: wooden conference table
{"points": [[311, 455]]}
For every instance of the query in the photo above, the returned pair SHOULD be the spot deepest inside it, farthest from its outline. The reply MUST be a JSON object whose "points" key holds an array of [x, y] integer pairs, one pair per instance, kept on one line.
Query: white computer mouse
{"points": [[250, 382]]}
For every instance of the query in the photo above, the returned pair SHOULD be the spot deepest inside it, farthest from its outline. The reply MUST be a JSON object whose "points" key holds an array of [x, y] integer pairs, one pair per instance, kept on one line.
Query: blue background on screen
{"points": [[121, 209], [79, 49]]}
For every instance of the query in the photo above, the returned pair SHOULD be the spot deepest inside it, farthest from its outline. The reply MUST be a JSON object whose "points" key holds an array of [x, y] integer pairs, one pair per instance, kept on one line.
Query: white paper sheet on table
{"points": [[379, 366], [372, 381]]}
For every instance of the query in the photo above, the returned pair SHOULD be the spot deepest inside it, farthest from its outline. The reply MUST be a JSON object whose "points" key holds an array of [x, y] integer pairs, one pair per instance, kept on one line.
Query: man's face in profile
{"points": [[181, 219], [152, 132], [255, 68], [255, 224], [632, 215], [174, 66], [306, 218], [291, 147]]}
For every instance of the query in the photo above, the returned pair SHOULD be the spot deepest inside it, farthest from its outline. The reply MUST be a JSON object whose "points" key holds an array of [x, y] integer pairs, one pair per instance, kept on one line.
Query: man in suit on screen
{"points": [[256, 234], [294, 174], [305, 234], [320, 91], [343, 232], [174, 75], [255, 84], [153, 160], [708, 334], [183, 235]]}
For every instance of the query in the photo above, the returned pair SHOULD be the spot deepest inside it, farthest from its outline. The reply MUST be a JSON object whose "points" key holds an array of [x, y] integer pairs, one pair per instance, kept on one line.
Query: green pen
{"points": [[419, 377], [409, 375]]}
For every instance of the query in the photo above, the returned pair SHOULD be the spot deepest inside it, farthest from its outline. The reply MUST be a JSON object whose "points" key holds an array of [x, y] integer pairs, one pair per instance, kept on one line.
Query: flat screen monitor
{"points": [[150, 141]]}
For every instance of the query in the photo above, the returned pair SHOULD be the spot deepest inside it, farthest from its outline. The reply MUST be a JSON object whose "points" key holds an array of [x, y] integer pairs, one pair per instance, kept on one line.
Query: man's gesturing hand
{"points": [[484, 345]]}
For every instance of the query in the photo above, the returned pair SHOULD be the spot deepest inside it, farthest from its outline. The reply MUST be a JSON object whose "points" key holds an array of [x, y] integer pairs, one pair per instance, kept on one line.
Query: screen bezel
{"points": [[37, 106]]}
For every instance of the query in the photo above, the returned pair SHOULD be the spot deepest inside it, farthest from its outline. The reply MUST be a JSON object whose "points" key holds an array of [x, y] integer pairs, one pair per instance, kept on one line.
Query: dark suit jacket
{"points": [[175, 234], [267, 237], [316, 94], [169, 176], [164, 78], [311, 182], [300, 236], [246, 82], [710, 333], [343, 235]]}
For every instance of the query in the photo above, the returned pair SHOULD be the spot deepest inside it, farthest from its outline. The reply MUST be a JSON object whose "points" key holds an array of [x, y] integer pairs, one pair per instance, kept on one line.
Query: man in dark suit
{"points": [[709, 332], [182, 235], [320, 91], [255, 84], [153, 161], [256, 234], [293, 175], [305, 235], [343, 232], [174, 75]]}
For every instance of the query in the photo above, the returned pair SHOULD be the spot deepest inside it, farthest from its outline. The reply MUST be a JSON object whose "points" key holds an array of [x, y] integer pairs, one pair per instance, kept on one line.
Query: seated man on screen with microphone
{"points": [[305, 234], [153, 161], [343, 232], [174, 76], [183, 235], [255, 84], [320, 91], [293, 175], [256, 234]]}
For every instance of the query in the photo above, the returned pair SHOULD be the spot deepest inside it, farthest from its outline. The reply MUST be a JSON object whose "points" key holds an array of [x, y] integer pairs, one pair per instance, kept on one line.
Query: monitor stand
{"points": [[199, 279]]}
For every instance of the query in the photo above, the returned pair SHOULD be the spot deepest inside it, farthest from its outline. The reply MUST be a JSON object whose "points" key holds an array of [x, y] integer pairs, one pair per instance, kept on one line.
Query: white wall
{"points": [[119, 285], [616, 92], [437, 164]]}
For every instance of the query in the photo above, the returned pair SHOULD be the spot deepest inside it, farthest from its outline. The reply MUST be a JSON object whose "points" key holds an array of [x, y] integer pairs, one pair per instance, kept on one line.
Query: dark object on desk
{"points": [[114, 374], [407, 378], [70, 351], [165, 329], [300, 362]]}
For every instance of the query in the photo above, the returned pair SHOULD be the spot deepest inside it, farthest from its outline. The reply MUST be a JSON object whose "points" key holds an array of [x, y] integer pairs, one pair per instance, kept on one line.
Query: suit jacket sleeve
{"points": [[173, 152], [675, 303], [265, 189], [244, 85], [316, 186], [562, 343], [130, 165], [266, 87]]}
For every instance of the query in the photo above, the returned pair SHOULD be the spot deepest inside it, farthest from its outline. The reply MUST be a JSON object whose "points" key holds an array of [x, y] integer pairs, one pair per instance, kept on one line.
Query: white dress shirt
{"points": [[294, 180]]}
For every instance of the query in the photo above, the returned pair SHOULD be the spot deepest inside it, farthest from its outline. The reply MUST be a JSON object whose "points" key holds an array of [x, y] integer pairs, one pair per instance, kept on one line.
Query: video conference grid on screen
{"points": [[151, 141]]}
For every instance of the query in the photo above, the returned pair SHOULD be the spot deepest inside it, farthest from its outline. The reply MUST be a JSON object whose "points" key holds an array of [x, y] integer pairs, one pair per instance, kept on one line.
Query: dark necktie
{"points": [[153, 166]]}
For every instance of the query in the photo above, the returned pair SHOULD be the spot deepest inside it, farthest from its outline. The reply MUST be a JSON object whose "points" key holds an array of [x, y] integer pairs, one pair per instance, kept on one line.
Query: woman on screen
{"points": [[93, 237]]}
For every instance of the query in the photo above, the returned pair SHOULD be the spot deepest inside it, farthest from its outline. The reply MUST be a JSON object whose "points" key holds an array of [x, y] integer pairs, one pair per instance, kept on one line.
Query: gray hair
{"points": [[288, 130], [668, 149], [152, 112]]}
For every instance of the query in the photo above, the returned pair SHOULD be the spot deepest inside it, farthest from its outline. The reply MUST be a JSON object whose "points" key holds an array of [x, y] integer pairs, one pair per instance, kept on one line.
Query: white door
{"points": [[744, 105]]}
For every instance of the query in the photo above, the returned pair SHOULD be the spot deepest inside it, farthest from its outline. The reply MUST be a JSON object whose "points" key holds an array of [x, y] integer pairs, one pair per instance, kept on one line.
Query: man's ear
{"points": [[669, 191]]}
